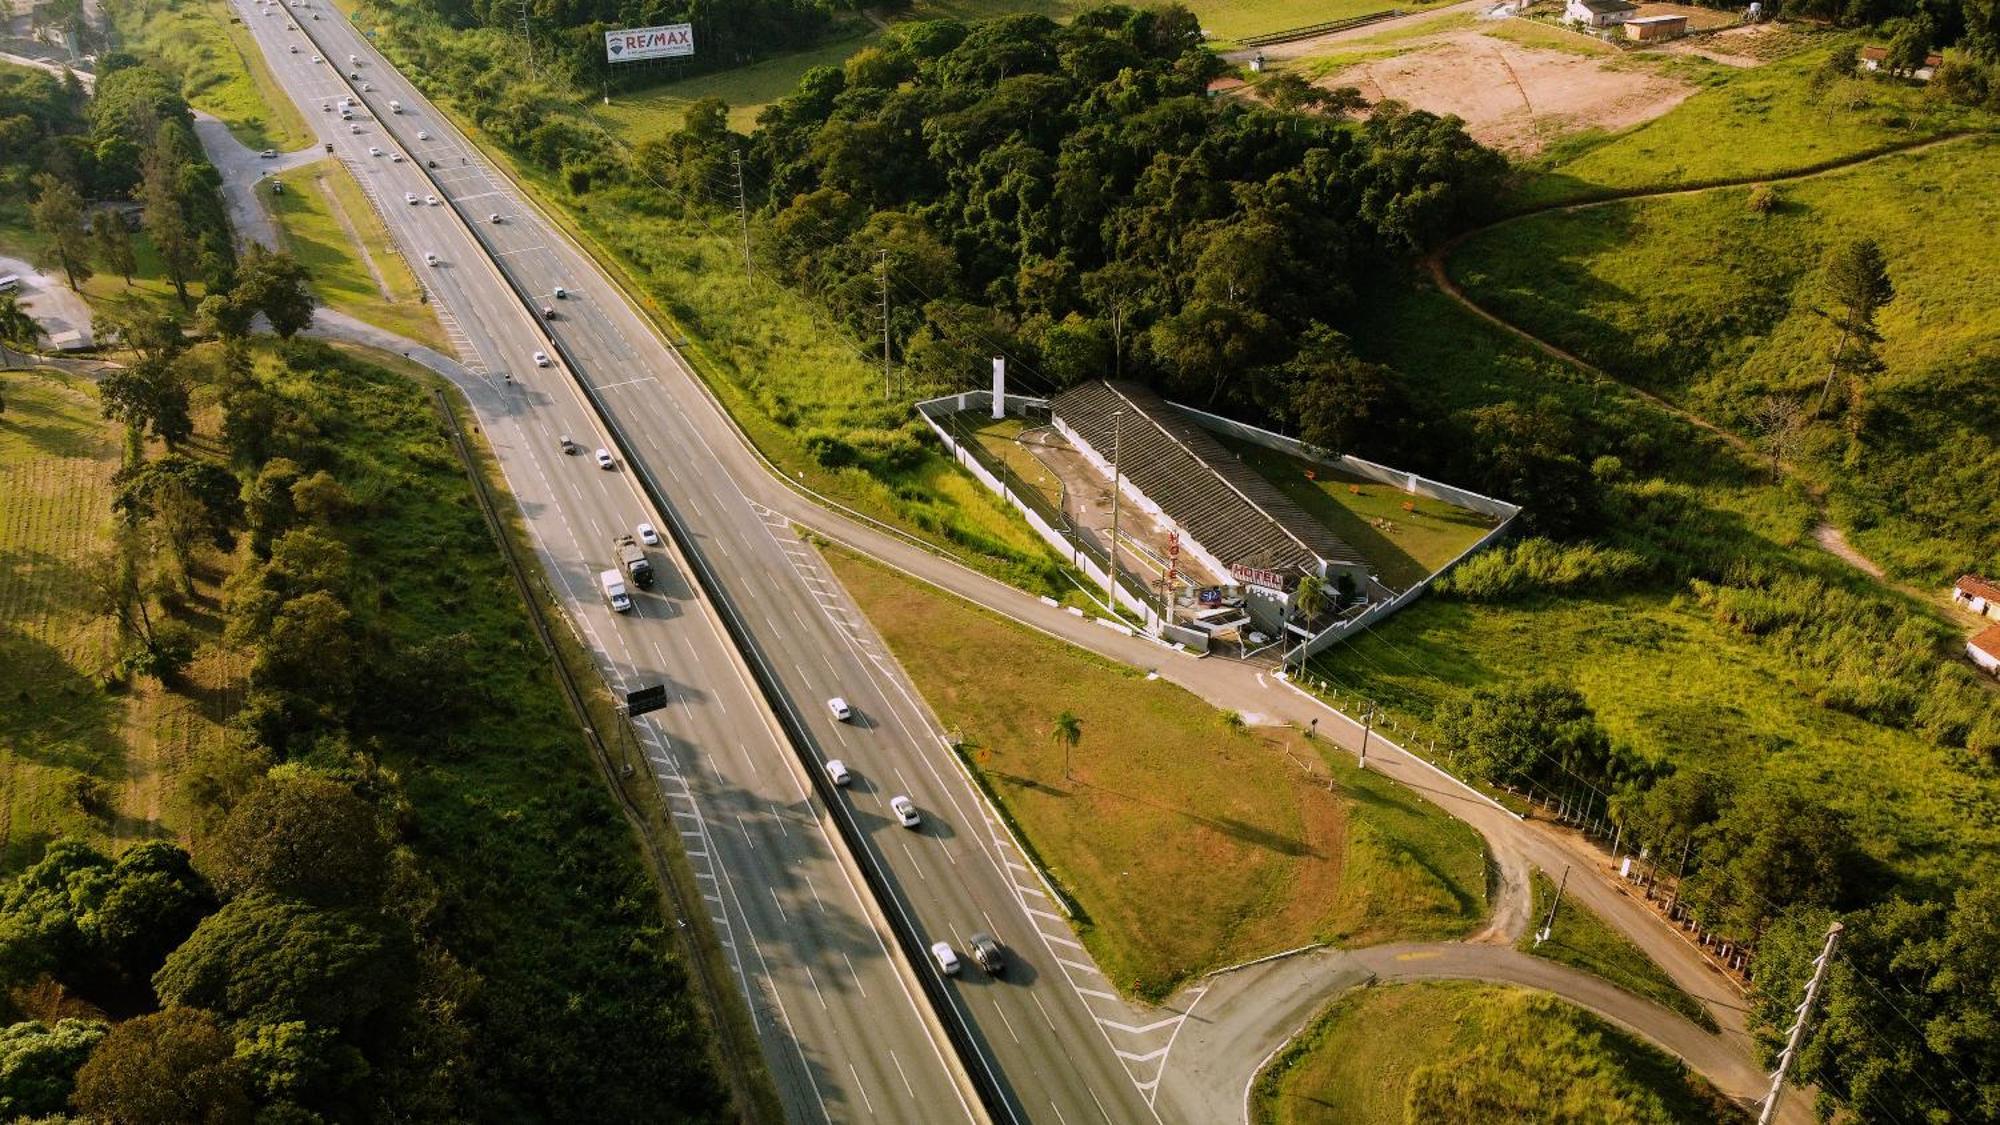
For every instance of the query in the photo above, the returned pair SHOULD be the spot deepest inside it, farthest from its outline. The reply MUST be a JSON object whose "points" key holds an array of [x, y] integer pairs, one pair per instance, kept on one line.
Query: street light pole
{"points": [[1117, 478]]}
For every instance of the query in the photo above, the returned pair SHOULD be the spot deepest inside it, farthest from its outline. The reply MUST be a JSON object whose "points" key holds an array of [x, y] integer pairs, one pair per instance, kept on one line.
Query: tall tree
{"points": [[174, 236], [58, 216], [151, 396], [275, 284], [1857, 284], [111, 242], [168, 1068], [1067, 732], [17, 328]]}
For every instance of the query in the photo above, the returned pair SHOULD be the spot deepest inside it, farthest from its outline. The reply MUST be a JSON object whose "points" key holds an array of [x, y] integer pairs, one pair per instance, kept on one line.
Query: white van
{"points": [[395, 106], [615, 596]]}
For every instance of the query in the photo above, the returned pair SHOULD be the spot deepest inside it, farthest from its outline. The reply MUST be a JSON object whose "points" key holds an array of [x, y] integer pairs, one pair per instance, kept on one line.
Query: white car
{"points": [[541, 359], [295, 48], [836, 772], [354, 60], [268, 154], [494, 218], [604, 459], [409, 197], [317, 59], [841, 711], [432, 200], [374, 151], [648, 535], [395, 158], [366, 87], [947, 959], [430, 259], [355, 129], [423, 136], [906, 811]]}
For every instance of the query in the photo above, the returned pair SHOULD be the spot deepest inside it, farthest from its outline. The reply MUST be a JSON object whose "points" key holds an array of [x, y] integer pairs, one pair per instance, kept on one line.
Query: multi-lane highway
{"points": [[845, 1031], [846, 1028]]}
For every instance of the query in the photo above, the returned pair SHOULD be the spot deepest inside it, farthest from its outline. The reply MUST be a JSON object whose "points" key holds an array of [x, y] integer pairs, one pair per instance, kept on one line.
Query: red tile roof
{"points": [[1988, 642], [1974, 586]]}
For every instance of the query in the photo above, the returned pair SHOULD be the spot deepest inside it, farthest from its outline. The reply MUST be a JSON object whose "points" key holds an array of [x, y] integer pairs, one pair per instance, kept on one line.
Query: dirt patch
{"points": [[1513, 96], [1745, 46]]}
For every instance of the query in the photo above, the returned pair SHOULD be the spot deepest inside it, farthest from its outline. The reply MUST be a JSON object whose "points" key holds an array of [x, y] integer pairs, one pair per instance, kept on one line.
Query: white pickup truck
{"points": [[614, 591]]}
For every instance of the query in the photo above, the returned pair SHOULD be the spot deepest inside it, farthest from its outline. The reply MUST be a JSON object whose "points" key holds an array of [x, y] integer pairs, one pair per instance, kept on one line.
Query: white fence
{"points": [[1072, 552]]}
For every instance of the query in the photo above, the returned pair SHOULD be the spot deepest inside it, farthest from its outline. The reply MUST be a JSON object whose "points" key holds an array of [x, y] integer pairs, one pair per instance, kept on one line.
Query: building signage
{"points": [[1254, 576], [634, 43]]}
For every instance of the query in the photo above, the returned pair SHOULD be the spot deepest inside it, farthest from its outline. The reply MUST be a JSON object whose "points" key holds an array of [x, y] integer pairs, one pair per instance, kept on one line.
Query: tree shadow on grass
{"points": [[53, 715]]}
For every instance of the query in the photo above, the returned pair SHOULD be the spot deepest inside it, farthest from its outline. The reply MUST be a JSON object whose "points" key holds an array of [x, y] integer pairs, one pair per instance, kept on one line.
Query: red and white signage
{"points": [[1253, 576], [634, 43]]}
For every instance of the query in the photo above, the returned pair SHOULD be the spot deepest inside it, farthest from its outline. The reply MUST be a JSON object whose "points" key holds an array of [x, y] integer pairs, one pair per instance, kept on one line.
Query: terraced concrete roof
{"points": [[1228, 507]]}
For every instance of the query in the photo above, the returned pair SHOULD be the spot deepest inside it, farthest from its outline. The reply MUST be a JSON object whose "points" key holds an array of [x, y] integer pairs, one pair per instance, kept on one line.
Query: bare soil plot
{"points": [[1518, 96]]}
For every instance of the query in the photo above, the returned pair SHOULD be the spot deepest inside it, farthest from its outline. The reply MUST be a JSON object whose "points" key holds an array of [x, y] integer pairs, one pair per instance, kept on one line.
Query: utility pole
{"points": [[1549, 923], [1117, 477], [1800, 1022], [885, 324], [1367, 725], [742, 207]]}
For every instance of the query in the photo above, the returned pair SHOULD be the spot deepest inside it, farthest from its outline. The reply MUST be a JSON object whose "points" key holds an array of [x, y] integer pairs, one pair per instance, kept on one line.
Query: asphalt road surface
{"points": [[841, 1019], [843, 1042]]}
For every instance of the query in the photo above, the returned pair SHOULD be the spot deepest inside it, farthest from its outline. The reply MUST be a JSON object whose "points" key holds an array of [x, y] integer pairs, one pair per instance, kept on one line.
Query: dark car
{"points": [[986, 954]]}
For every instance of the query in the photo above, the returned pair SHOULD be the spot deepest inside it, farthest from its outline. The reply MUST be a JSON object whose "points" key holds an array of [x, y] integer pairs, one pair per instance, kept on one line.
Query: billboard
{"points": [[634, 43]]}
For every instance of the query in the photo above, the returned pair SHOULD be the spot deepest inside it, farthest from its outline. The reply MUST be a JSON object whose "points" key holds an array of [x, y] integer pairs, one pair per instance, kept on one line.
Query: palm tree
{"points": [[1307, 600], [17, 328], [1067, 733]]}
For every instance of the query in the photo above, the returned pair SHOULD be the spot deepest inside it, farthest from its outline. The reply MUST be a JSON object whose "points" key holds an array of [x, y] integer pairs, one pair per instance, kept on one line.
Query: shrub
{"points": [[1539, 566]]}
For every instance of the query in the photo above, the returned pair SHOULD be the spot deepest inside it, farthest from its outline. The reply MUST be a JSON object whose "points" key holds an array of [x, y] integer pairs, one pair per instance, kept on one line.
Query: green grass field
{"points": [[1663, 676], [656, 111], [19, 239], [1701, 300], [310, 213], [1473, 1054], [81, 751], [221, 68], [648, 113], [1404, 546], [1166, 794], [1748, 123], [1581, 940]]}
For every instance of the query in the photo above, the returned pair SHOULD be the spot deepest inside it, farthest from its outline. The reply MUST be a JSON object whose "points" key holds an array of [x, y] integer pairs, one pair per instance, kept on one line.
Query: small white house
{"points": [[1599, 13], [1984, 649], [1978, 595]]}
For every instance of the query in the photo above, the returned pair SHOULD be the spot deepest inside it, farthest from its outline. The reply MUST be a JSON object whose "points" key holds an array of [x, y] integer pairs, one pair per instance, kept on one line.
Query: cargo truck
{"points": [[632, 557], [614, 591]]}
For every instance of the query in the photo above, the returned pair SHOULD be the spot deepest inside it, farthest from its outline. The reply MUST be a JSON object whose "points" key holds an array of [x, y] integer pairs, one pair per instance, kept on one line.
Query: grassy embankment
{"points": [[1752, 122], [784, 373], [222, 70], [83, 752], [1581, 940], [1187, 841], [1404, 545], [1663, 675], [328, 225], [1476, 1054], [1701, 300]]}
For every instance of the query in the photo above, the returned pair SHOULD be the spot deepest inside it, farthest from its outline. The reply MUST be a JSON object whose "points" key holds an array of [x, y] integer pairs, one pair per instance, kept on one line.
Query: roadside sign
{"points": [[645, 699]]}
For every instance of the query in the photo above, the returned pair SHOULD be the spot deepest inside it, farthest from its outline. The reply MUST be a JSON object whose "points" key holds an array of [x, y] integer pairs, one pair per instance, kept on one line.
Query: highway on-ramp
{"points": [[846, 1034], [1050, 1035]]}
